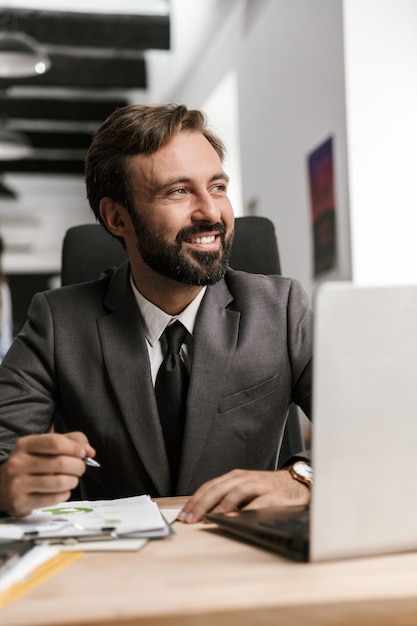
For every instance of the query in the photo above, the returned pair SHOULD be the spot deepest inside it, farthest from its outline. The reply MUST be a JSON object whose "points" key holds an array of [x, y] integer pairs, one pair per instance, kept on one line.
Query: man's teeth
{"points": [[209, 239]]}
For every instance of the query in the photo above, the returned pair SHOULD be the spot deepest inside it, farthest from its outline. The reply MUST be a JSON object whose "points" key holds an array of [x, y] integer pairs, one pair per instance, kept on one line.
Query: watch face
{"points": [[303, 469]]}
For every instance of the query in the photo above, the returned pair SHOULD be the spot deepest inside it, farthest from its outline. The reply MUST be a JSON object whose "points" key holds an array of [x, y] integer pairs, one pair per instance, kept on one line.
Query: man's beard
{"points": [[205, 268]]}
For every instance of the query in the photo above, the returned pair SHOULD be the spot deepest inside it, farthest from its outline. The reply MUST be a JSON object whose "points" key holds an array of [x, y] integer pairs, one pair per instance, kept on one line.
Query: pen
{"points": [[91, 462]]}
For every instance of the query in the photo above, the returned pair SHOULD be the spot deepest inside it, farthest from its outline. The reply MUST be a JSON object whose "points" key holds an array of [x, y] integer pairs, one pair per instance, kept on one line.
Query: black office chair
{"points": [[89, 249]]}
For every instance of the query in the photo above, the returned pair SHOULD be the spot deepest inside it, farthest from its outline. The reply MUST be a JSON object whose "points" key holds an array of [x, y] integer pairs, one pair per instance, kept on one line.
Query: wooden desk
{"points": [[200, 577]]}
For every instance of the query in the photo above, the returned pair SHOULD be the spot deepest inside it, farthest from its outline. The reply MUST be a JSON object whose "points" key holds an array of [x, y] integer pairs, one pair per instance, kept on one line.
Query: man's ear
{"points": [[114, 216]]}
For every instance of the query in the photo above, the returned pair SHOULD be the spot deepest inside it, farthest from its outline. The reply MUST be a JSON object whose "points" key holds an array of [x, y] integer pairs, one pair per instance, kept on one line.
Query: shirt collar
{"points": [[155, 320]]}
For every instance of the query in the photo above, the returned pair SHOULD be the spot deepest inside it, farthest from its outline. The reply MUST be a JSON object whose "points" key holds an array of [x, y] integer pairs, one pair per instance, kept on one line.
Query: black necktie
{"points": [[171, 389]]}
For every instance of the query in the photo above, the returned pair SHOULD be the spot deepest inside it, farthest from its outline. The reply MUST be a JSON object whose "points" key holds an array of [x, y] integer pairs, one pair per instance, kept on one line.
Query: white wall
{"points": [[217, 52], [291, 100], [381, 80], [222, 110]]}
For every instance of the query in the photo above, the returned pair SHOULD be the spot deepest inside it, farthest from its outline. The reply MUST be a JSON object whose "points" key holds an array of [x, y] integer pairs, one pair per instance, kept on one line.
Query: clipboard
{"points": [[89, 520]]}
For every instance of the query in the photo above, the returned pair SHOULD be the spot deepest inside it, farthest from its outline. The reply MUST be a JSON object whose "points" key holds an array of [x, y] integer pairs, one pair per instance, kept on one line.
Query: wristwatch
{"points": [[302, 471]]}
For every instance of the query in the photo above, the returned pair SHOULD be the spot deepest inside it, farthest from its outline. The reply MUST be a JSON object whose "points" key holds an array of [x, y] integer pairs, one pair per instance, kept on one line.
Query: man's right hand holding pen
{"points": [[42, 470]]}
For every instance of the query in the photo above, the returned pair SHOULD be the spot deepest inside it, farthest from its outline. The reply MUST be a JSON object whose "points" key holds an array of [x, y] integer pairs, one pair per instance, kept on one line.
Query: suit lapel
{"points": [[215, 339], [127, 363]]}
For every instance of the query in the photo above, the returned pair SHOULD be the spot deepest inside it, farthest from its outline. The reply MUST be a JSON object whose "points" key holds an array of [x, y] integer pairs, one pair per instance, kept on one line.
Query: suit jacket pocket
{"points": [[245, 396]]}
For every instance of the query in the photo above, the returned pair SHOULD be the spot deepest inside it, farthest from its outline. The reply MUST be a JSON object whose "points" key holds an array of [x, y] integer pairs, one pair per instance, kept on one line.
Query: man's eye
{"points": [[177, 192]]}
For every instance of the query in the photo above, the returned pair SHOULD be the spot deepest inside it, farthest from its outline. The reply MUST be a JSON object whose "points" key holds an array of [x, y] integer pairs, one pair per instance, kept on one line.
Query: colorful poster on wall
{"points": [[323, 209]]}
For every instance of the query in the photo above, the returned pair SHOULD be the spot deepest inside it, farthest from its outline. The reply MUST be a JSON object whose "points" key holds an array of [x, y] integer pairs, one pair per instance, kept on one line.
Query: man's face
{"points": [[182, 217]]}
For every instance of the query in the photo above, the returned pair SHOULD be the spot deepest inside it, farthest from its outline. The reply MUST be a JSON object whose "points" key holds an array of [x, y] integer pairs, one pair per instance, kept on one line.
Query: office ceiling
{"points": [[97, 61]]}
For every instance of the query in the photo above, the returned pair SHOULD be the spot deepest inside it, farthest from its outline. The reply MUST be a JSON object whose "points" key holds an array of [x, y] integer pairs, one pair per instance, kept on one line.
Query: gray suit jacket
{"points": [[81, 362]]}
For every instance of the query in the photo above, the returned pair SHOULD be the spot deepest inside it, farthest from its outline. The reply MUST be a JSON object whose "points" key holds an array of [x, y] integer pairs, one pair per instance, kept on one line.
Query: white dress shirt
{"points": [[6, 319], [155, 321]]}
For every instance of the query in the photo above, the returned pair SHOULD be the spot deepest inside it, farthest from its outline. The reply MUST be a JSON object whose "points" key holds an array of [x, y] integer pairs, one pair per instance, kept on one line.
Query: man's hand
{"points": [[42, 470], [245, 489]]}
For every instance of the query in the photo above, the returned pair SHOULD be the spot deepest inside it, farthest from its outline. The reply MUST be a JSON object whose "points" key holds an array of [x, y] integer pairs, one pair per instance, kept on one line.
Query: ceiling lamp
{"points": [[13, 145], [21, 55]]}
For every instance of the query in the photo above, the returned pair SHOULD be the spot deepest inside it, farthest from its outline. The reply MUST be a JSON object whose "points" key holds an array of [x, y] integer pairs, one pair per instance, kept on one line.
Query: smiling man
{"points": [[84, 377]]}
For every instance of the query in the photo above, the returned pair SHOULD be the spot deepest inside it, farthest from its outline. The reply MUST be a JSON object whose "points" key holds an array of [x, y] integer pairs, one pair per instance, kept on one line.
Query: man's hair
{"points": [[132, 130]]}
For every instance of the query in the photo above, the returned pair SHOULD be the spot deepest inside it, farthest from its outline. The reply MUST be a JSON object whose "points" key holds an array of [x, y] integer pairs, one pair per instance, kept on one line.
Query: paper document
{"points": [[124, 544], [134, 517]]}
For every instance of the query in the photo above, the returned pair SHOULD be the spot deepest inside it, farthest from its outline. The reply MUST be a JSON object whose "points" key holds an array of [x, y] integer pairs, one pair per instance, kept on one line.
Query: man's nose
{"points": [[206, 208]]}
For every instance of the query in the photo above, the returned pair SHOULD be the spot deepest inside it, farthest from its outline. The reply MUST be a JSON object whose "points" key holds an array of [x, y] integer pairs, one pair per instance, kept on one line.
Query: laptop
{"points": [[364, 433]]}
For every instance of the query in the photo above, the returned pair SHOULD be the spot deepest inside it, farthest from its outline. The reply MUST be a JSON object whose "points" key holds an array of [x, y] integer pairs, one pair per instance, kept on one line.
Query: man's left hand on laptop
{"points": [[245, 489]]}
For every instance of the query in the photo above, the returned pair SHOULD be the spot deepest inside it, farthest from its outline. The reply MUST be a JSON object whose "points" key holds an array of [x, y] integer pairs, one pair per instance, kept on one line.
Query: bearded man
{"points": [[81, 379]]}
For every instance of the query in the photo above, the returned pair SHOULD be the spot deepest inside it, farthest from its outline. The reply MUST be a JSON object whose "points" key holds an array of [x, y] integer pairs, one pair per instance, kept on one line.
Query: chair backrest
{"points": [[88, 250]]}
